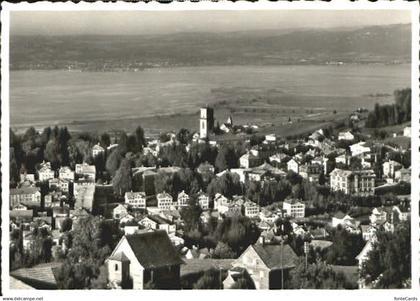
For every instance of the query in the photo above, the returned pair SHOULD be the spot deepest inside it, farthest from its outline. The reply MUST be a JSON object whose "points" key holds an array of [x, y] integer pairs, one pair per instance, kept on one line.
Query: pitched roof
{"points": [[293, 202], [24, 190], [98, 147], [21, 213], [40, 276], [120, 256], [86, 168], [133, 195], [163, 195], [276, 256], [340, 215], [64, 169], [17, 284], [160, 220], [153, 249], [322, 244]]}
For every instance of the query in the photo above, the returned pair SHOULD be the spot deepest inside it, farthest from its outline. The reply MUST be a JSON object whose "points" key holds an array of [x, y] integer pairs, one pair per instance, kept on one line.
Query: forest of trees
{"points": [[93, 240], [317, 275], [389, 262], [397, 113]]}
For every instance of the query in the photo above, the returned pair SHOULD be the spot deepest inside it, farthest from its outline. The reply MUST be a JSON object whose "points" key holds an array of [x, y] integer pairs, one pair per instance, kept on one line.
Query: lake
{"points": [[41, 98]]}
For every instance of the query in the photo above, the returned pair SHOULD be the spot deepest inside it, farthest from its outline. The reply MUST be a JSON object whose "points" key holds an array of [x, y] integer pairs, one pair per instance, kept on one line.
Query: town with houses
{"points": [[212, 209]]}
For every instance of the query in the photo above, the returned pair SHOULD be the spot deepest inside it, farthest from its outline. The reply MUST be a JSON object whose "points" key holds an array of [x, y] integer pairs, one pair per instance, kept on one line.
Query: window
{"points": [[116, 267]]}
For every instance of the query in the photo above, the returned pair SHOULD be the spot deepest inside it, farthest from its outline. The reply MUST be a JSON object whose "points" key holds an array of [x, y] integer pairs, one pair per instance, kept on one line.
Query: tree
{"points": [[238, 233], [256, 139], [201, 153], [164, 182], [174, 154], [66, 224], [122, 182], [105, 140], [191, 216], [397, 113], [101, 282], [40, 249], [122, 143], [211, 279], [226, 158], [317, 275], [30, 133], [113, 162], [56, 150], [183, 136], [52, 153], [389, 262], [93, 241], [355, 163], [13, 167], [141, 140], [244, 282], [228, 184], [132, 146], [346, 246], [223, 251]]}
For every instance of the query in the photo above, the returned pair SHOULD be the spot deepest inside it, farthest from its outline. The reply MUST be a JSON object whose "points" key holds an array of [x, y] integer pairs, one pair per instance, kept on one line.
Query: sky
{"points": [[161, 22]]}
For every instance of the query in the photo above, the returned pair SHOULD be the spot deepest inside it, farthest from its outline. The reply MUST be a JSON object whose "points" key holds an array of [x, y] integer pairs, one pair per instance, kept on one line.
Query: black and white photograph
{"points": [[210, 147]]}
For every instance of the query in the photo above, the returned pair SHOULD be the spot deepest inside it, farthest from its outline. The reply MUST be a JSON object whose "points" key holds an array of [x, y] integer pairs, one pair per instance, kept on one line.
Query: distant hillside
{"points": [[377, 44]]}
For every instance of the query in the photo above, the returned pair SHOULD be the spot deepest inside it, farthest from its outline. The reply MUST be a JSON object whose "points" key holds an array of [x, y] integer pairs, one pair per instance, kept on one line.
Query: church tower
{"points": [[206, 121]]}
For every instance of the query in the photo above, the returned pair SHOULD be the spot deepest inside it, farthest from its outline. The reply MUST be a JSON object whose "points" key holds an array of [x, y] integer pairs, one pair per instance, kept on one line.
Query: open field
{"points": [[269, 120]]}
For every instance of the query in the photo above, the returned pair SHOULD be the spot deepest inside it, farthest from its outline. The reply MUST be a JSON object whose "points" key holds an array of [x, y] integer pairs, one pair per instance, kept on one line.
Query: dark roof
{"points": [[160, 220], [276, 256], [39, 276], [24, 190], [21, 213], [340, 215], [153, 249], [120, 256]]}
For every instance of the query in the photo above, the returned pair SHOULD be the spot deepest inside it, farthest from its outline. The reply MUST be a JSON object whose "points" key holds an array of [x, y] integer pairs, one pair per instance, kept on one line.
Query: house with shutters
{"points": [[30, 196], [251, 209], [120, 211], [183, 199], [403, 175], [293, 165], [294, 208], [135, 200], [143, 260], [97, 150], [346, 135], [379, 215], [249, 160], [203, 200], [86, 171], [45, 172], [59, 184], [65, 173], [360, 182], [390, 167], [165, 201], [156, 222]]}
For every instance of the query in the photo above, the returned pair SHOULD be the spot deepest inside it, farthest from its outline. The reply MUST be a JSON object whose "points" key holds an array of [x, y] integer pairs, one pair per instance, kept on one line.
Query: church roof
{"points": [[276, 256], [153, 249]]}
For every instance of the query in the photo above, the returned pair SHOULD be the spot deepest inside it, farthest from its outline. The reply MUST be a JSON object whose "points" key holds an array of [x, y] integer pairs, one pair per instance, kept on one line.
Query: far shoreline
{"points": [[155, 125]]}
